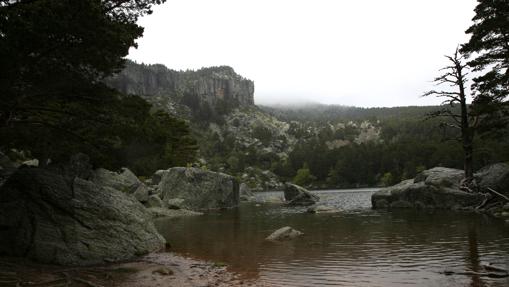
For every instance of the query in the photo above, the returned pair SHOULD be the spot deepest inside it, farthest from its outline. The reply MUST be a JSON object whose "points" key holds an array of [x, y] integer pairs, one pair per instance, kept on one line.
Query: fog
{"points": [[357, 53]]}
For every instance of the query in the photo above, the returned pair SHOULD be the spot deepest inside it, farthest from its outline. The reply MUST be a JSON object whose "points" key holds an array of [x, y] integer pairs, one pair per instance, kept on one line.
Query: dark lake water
{"points": [[354, 247]]}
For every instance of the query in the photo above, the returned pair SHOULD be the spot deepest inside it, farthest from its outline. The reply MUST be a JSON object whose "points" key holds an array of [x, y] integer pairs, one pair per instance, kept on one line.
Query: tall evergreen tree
{"points": [[54, 55], [489, 50]]}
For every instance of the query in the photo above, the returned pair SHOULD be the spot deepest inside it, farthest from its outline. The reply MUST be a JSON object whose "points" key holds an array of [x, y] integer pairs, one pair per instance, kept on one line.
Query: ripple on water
{"points": [[356, 247]]}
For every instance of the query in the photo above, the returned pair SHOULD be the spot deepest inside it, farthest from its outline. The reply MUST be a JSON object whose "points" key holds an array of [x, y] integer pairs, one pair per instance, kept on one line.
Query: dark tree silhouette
{"points": [[54, 56], [489, 44]]}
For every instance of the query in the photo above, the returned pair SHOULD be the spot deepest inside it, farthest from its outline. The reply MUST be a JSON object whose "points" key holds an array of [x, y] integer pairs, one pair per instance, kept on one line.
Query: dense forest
{"points": [[409, 142]]}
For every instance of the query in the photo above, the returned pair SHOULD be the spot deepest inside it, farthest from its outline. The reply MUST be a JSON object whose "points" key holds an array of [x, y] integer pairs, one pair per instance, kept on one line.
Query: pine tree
{"points": [[488, 49]]}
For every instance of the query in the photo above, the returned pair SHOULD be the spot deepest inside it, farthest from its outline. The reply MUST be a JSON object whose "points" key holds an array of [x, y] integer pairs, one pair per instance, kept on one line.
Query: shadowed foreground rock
{"points": [[52, 218], [438, 187], [298, 196], [196, 189]]}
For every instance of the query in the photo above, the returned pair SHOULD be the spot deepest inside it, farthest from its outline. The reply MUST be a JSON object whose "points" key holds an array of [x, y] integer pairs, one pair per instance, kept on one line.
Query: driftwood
{"points": [[487, 198], [491, 190]]}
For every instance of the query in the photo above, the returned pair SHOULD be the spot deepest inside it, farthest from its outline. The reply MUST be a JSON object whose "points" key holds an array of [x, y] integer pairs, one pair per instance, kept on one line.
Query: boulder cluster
{"points": [[444, 188], [75, 215]]}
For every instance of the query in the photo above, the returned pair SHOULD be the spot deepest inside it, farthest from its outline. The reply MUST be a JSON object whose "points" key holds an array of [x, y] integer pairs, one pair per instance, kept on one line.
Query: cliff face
{"points": [[204, 93]]}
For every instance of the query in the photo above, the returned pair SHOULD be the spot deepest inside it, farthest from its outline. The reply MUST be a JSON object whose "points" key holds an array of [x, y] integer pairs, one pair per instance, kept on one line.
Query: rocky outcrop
{"points": [[209, 89], [284, 233], [434, 188], [53, 217], [198, 189], [298, 196]]}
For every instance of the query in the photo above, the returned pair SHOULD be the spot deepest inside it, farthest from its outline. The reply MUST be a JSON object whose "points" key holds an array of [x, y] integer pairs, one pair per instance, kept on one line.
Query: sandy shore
{"points": [[157, 269]]}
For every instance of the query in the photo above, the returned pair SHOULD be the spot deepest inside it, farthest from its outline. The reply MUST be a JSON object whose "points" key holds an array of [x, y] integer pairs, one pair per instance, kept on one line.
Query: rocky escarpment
{"points": [[61, 216], [200, 94]]}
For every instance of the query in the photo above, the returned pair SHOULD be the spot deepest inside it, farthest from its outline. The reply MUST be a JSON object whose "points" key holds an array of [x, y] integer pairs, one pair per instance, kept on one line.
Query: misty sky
{"points": [[350, 52]]}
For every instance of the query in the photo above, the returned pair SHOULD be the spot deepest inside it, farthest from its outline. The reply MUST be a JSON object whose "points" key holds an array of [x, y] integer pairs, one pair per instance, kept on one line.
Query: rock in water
{"points": [[47, 218], [245, 192], [298, 196], [284, 233], [322, 209], [434, 188], [199, 189]]}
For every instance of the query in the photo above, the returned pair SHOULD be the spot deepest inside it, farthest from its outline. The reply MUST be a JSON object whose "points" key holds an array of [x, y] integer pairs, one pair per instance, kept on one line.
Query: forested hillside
{"points": [[408, 142]]}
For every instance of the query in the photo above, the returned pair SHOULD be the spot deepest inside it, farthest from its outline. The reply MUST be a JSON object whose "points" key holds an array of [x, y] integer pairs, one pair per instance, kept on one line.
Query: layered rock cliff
{"points": [[201, 94]]}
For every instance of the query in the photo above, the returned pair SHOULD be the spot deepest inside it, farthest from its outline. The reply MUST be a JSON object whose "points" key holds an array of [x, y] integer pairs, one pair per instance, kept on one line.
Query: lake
{"points": [[357, 246]]}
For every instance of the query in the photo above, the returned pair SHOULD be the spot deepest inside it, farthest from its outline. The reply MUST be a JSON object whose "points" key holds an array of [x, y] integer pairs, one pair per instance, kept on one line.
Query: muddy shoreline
{"points": [[156, 269]]}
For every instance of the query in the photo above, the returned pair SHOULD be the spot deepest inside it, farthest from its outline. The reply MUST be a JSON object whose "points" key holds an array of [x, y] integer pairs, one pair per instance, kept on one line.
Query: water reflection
{"points": [[356, 247]]}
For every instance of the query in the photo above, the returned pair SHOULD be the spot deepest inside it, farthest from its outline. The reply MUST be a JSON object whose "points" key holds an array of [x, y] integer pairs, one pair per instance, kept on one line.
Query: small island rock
{"points": [[434, 188], [298, 196]]}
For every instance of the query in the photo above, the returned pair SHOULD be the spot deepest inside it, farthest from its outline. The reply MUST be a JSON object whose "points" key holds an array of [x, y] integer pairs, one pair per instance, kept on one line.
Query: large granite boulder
{"points": [[52, 218], [198, 189], [494, 176], [434, 188], [125, 180], [298, 196]]}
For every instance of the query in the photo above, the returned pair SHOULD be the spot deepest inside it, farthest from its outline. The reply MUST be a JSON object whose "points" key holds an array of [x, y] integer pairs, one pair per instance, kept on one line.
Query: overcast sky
{"points": [[350, 52]]}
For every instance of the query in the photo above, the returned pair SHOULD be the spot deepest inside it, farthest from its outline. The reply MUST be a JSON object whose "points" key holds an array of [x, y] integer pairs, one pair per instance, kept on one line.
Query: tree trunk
{"points": [[466, 132]]}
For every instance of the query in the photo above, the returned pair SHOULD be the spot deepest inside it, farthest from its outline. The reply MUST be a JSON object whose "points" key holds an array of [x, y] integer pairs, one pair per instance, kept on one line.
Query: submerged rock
{"points": [[322, 209], [284, 233], [48, 218], [199, 189], [158, 212], [434, 188], [298, 196]]}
